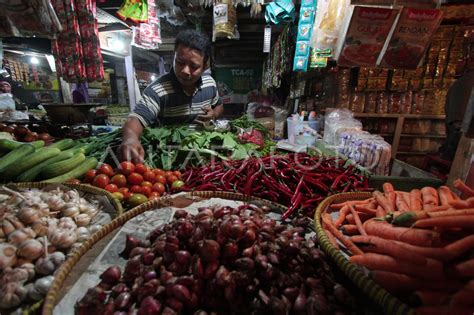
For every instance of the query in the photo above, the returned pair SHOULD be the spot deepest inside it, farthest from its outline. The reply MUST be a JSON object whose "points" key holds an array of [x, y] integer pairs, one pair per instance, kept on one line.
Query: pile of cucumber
{"points": [[56, 163]]}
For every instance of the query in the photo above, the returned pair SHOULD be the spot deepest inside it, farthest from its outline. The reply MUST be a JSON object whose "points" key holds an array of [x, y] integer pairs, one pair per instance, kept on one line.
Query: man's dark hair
{"points": [[195, 40]]}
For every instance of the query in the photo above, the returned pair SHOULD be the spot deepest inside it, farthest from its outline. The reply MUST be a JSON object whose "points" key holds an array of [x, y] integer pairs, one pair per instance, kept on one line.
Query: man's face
{"points": [[5, 87], [188, 65]]}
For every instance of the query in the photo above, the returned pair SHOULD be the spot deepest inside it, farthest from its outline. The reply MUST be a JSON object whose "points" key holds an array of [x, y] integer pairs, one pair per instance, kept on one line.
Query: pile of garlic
{"points": [[37, 230]]}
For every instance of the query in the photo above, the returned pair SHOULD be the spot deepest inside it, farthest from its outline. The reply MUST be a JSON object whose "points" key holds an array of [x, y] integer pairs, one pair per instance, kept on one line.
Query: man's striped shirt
{"points": [[164, 101]]}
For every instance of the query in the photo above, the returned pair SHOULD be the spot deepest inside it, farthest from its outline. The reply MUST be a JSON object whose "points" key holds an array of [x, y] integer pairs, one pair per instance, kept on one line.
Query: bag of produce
{"points": [[225, 20]]}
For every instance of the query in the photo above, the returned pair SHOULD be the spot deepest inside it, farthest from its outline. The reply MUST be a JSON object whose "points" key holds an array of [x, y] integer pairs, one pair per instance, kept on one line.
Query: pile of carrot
{"points": [[418, 245]]}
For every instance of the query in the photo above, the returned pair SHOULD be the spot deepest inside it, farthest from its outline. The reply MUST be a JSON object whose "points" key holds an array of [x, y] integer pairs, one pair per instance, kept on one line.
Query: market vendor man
{"points": [[186, 95]]}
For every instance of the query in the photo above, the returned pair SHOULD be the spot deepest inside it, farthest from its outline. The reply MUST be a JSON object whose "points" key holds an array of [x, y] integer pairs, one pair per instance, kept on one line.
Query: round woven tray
{"points": [[65, 269], [88, 189], [386, 301]]}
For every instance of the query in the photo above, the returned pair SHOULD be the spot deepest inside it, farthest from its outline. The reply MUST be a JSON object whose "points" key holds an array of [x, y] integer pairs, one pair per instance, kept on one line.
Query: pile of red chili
{"points": [[299, 181]]}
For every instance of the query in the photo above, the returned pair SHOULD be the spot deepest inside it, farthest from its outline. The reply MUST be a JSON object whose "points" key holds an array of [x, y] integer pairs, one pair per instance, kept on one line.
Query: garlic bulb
{"points": [[13, 294], [47, 265], [8, 256], [40, 227], [72, 195], [70, 209], [30, 268], [82, 219], [18, 236], [90, 210], [73, 248], [30, 249], [33, 293], [66, 223], [18, 274], [43, 284], [6, 228], [62, 238], [55, 203], [82, 234], [13, 220], [28, 215], [51, 248], [94, 228]]}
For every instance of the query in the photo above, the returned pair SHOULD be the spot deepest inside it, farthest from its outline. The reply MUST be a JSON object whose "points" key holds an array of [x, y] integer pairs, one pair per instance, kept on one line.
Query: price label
{"points": [[267, 39]]}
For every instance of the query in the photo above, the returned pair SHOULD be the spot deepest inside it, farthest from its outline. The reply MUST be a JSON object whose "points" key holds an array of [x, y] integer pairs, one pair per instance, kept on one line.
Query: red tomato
{"points": [[90, 174], [141, 168], [159, 171], [146, 183], [126, 168], [146, 190], [111, 188], [160, 179], [171, 179], [153, 194], [127, 195], [124, 190], [73, 181], [119, 179], [106, 169], [135, 189], [168, 173], [135, 179], [101, 181], [150, 176], [159, 188], [177, 174]]}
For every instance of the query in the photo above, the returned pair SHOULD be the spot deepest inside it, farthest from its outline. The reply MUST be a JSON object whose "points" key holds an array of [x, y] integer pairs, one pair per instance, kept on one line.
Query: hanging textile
{"points": [[77, 49]]}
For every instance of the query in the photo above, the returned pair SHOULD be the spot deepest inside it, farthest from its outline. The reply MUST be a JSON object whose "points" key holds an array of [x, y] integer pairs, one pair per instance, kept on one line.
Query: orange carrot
{"points": [[401, 204], [373, 204], [438, 253], [392, 197], [432, 270], [348, 243], [462, 187], [405, 195], [350, 229], [380, 212], [459, 204], [416, 201], [365, 209], [430, 197], [470, 202], [342, 216], [331, 238], [443, 310], [363, 217], [466, 268], [464, 297], [383, 201], [463, 221], [448, 213], [337, 206], [396, 282], [427, 297], [461, 246], [438, 208], [374, 244], [388, 187], [357, 220], [445, 195], [408, 235]]}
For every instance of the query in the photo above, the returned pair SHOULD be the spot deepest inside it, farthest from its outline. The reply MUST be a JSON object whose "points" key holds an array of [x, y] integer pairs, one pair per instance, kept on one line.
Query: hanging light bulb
{"points": [[34, 60]]}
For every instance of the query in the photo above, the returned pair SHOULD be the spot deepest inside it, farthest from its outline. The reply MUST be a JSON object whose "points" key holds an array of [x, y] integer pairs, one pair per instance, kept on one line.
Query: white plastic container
{"points": [[298, 134]]}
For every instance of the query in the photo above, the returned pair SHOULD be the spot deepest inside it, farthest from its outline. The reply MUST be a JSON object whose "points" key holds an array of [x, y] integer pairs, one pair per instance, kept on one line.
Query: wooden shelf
{"points": [[410, 116], [406, 135], [415, 152]]}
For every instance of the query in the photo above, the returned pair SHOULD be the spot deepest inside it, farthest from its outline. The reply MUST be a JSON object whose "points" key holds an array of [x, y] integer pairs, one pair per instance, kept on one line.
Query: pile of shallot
{"points": [[37, 230], [223, 260]]}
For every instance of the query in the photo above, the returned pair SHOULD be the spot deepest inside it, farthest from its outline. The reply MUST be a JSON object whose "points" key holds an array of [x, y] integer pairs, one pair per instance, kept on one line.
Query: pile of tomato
{"points": [[134, 183]]}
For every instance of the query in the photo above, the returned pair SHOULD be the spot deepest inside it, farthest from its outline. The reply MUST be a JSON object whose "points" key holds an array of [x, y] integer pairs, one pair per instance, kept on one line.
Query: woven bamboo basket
{"points": [[386, 301], [88, 189], [80, 187], [65, 269]]}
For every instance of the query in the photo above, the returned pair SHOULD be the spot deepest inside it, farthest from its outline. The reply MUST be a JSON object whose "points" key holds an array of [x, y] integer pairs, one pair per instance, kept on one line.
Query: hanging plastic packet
{"points": [[135, 10], [280, 12], [224, 21], [305, 26]]}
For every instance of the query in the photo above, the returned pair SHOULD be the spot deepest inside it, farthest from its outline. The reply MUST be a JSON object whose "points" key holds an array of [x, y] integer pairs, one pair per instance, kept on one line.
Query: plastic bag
{"points": [[252, 136]]}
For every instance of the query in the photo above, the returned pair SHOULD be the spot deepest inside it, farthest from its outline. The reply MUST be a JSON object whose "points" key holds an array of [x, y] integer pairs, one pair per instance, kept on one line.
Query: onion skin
{"points": [[149, 306], [111, 275], [130, 243]]}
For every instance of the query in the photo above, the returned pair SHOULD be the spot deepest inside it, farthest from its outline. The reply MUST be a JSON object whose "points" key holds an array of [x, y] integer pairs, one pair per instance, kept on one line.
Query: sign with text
{"points": [[234, 84]]}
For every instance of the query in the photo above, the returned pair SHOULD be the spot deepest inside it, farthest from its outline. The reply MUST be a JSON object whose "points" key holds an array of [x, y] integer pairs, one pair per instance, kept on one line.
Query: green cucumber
{"points": [[63, 144], [33, 173], [8, 145], [58, 168], [14, 155], [29, 161], [77, 172]]}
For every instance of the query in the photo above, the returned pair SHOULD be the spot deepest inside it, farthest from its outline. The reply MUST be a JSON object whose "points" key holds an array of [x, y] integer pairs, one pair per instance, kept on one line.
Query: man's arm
{"points": [[131, 148]]}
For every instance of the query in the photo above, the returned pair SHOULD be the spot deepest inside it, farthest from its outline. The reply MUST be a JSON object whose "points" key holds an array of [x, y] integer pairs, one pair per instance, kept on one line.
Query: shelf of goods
{"points": [[411, 134]]}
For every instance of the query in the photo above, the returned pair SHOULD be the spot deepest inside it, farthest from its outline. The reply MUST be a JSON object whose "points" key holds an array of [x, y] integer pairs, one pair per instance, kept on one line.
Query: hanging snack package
{"points": [[411, 38], [305, 27], [328, 21], [365, 29], [224, 21]]}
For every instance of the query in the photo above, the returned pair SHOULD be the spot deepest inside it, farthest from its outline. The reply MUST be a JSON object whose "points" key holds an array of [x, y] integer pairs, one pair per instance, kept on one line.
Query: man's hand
{"points": [[131, 151], [210, 114]]}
